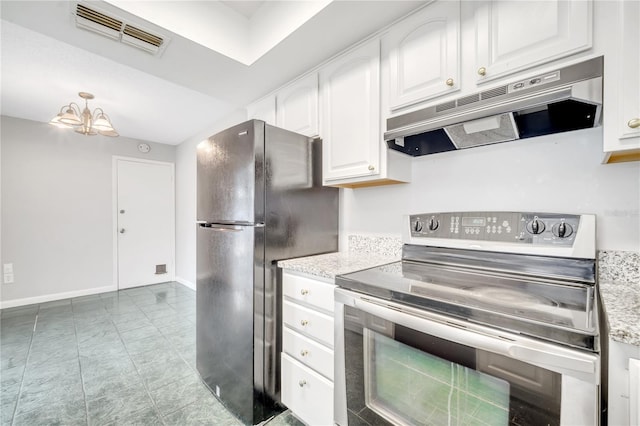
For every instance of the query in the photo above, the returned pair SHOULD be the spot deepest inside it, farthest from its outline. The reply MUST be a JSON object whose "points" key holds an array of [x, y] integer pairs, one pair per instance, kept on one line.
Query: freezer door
{"points": [[229, 325], [230, 175]]}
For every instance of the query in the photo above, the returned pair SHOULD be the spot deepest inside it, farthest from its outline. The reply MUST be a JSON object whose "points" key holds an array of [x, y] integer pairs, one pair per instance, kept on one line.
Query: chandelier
{"points": [[83, 121]]}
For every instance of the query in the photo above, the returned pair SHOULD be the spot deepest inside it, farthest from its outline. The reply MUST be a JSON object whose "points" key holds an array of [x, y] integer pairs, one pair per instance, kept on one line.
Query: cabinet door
{"points": [[264, 109], [514, 35], [306, 393], [629, 81], [297, 106], [350, 120], [423, 52], [622, 84]]}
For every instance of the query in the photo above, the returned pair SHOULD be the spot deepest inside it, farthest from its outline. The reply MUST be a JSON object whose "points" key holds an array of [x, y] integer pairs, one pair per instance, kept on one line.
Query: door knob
{"points": [[482, 71], [122, 211], [449, 82], [634, 123], [371, 167], [122, 230]]}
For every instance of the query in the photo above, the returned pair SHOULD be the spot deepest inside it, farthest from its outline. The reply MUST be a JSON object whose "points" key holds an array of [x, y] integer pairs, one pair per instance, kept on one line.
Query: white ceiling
{"points": [[47, 60]]}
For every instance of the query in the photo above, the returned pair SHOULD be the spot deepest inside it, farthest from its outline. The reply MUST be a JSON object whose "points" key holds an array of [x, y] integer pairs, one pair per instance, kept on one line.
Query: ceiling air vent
{"points": [[141, 39], [99, 22], [116, 28]]}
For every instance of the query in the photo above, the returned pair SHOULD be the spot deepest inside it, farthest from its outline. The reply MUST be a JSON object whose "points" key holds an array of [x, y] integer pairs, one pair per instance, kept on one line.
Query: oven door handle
{"points": [[542, 357], [537, 353]]}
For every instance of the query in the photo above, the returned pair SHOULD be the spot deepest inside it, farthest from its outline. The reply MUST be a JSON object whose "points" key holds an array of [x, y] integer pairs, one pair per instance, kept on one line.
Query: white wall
{"points": [[560, 173], [186, 198], [57, 209]]}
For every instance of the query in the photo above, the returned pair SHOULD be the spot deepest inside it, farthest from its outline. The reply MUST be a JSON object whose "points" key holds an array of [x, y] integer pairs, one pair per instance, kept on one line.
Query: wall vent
{"points": [[492, 93], [116, 28], [445, 106]]}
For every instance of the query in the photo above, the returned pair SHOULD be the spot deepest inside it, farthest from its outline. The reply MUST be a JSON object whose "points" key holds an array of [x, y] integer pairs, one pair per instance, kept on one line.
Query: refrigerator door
{"points": [[230, 176], [229, 270]]}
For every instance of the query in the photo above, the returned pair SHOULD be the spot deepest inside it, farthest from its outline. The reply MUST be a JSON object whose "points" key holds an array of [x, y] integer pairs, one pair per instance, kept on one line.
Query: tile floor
{"points": [[119, 358]]}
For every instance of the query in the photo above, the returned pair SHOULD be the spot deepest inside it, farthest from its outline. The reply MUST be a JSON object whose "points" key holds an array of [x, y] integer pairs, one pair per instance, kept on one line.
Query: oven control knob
{"points": [[562, 230], [536, 226], [433, 224], [417, 226]]}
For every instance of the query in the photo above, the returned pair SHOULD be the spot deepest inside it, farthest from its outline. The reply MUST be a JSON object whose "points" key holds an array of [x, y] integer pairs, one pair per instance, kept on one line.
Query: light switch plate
{"points": [[7, 268]]}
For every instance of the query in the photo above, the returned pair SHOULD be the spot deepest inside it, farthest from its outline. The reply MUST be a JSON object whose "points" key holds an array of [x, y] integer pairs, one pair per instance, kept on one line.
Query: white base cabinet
{"points": [[624, 380], [307, 347]]}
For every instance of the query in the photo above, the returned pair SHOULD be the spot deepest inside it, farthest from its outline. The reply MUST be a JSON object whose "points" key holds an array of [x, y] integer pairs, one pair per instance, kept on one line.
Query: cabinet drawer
{"points": [[308, 352], [311, 292], [308, 322], [306, 393]]}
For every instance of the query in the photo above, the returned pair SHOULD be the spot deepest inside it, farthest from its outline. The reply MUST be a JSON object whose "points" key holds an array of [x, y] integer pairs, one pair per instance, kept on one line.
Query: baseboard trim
{"points": [[56, 296], [186, 283]]}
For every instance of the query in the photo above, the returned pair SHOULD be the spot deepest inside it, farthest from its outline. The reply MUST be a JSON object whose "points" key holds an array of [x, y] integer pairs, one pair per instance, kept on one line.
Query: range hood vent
{"points": [[567, 99], [117, 29]]}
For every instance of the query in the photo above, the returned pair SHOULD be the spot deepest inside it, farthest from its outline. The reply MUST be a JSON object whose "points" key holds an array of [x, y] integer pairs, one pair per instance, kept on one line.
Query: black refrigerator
{"points": [[260, 199]]}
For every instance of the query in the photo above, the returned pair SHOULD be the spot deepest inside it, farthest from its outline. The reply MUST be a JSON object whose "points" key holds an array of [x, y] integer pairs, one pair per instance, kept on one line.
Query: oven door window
{"points": [[407, 386], [396, 375]]}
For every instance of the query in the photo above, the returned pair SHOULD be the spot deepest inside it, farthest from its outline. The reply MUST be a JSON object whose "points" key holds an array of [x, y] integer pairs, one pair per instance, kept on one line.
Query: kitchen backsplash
{"points": [[621, 267]]}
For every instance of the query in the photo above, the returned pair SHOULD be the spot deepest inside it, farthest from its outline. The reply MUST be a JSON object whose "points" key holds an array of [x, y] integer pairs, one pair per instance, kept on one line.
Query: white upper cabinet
{"points": [[515, 35], [350, 114], [622, 85], [263, 109], [297, 106], [423, 54]]}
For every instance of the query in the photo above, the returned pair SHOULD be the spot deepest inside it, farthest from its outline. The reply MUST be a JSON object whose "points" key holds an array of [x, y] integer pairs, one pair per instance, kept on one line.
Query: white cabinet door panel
{"points": [[423, 55], [297, 106], [350, 120], [306, 393], [514, 35], [315, 293], [308, 352], [309, 322]]}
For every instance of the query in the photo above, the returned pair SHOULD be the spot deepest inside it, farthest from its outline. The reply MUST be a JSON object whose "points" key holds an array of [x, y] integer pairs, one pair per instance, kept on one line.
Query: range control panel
{"points": [[525, 228]]}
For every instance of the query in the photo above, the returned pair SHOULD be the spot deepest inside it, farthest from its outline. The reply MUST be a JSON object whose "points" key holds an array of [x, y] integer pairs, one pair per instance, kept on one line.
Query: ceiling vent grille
{"points": [[115, 28]]}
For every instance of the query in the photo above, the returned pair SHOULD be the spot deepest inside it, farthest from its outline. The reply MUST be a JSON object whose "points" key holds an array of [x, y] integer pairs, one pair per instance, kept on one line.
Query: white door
{"points": [[350, 124], [297, 106], [423, 54], [511, 36], [145, 222]]}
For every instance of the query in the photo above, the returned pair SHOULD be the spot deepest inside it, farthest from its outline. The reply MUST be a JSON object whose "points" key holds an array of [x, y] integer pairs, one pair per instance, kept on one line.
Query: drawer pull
{"points": [[304, 352], [304, 292], [304, 322], [302, 382]]}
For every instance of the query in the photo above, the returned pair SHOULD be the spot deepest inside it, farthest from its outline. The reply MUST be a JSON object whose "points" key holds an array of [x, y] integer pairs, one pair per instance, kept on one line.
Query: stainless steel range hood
{"points": [[566, 99]]}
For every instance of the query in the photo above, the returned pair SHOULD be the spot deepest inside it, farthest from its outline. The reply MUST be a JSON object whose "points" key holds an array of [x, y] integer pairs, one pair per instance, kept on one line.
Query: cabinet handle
{"points": [[304, 292], [449, 82], [304, 322], [634, 123], [302, 382], [304, 352], [482, 71], [371, 167]]}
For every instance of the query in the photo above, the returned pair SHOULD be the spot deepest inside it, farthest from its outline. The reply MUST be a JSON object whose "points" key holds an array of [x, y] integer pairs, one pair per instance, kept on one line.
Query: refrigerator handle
{"points": [[221, 227]]}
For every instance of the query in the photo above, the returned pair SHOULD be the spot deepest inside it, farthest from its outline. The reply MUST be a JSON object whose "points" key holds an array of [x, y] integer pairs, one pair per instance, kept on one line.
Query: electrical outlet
{"points": [[8, 278], [7, 268]]}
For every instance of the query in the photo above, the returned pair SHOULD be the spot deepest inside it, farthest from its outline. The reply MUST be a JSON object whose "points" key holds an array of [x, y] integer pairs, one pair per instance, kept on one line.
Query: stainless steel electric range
{"points": [[490, 318]]}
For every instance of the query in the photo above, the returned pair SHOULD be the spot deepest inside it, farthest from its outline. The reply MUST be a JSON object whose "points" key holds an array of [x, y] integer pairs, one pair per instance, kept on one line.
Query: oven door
{"points": [[403, 366]]}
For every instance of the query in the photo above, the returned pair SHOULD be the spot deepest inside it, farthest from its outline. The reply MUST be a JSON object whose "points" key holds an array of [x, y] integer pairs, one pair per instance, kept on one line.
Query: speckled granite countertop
{"points": [[619, 282], [365, 251], [332, 264]]}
